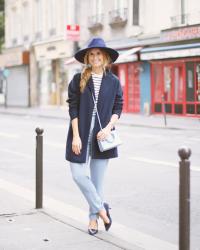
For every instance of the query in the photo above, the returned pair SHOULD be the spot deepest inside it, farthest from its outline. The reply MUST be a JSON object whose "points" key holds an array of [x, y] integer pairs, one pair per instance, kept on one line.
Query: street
{"points": [[141, 185]]}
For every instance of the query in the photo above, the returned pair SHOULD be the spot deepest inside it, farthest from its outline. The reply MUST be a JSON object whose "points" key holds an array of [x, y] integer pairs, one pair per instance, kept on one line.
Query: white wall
{"points": [[155, 15], [61, 14]]}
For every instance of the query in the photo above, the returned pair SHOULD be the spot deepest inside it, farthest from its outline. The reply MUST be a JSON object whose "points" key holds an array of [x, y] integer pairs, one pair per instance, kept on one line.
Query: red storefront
{"points": [[127, 68], [177, 83], [175, 71], [128, 74]]}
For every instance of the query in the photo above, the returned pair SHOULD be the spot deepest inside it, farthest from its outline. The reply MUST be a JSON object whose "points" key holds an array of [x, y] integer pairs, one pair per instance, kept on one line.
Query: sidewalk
{"points": [[154, 121], [24, 228]]}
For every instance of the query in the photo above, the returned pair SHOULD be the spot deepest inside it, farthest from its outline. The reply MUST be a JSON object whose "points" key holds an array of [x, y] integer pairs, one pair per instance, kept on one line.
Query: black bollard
{"points": [[39, 168], [184, 199]]}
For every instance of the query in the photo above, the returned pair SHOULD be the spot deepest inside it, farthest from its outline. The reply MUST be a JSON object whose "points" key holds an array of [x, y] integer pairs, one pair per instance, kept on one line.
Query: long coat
{"points": [[81, 105]]}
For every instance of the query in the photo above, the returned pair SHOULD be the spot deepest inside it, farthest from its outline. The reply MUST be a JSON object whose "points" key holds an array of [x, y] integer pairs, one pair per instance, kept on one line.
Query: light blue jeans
{"points": [[91, 185]]}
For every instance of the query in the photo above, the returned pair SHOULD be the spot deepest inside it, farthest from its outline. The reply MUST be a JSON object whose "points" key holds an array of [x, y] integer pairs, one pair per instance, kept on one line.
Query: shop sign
{"points": [[73, 32], [179, 34], [11, 59], [170, 54]]}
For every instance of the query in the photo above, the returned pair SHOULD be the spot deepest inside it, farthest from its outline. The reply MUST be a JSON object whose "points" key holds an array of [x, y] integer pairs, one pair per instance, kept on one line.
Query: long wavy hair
{"points": [[86, 72]]}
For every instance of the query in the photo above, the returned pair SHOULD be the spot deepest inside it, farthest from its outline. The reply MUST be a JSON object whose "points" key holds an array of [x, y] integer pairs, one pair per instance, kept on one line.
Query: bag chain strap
{"points": [[95, 104]]}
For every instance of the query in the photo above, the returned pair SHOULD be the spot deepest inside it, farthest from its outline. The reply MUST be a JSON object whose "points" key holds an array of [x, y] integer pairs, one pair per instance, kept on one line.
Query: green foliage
{"points": [[2, 33], [1, 5]]}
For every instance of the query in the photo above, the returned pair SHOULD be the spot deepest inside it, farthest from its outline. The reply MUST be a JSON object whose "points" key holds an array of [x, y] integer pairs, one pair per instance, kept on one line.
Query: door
{"points": [[168, 87], [18, 86], [129, 77], [122, 74], [133, 88], [193, 88]]}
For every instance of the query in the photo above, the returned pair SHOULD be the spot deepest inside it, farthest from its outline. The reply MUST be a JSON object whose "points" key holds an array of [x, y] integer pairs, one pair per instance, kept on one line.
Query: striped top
{"points": [[97, 79]]}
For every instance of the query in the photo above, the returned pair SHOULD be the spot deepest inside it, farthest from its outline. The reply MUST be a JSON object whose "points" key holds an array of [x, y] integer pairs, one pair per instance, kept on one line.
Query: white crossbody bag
{"points": [[112, 140]]}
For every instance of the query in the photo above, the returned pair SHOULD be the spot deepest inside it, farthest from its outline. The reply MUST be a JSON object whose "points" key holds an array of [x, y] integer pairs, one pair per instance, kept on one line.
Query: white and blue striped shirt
{"points": [[97, 79]]}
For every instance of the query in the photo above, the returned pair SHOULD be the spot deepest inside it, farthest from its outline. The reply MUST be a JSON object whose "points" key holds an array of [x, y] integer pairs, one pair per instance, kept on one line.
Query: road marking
{"points": [[142, 135], [194, 139], [53, 144], [27, 156], [164, 163], [120, 231], [9, 135]]}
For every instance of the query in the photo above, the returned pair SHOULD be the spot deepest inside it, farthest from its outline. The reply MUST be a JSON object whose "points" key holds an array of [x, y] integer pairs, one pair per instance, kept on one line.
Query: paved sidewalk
{"points": [[24, 228], [154, 121]]}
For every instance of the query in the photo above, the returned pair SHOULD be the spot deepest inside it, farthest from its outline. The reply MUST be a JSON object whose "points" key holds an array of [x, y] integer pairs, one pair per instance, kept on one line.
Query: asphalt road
{"points": [[141, 185]]}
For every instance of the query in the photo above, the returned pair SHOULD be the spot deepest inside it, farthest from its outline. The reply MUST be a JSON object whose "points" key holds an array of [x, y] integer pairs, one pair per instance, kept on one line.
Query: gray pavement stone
{"points": [[24, 228]]}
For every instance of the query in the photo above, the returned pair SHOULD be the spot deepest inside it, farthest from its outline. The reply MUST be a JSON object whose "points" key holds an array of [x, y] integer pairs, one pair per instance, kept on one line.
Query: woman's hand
{"points": [[103, 134], [76, 145]]}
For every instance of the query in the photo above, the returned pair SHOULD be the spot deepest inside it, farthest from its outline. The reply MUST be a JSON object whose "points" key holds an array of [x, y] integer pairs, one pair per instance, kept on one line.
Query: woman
{"points": [[84, 131]]}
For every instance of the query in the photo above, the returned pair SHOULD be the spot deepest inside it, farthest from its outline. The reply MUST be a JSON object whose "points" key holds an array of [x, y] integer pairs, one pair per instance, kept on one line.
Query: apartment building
{"points": [[158, 42], [35, 45]]}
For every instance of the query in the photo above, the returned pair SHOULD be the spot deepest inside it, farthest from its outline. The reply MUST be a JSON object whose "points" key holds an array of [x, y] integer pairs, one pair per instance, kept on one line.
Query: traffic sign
{"points": [[73, 32]]}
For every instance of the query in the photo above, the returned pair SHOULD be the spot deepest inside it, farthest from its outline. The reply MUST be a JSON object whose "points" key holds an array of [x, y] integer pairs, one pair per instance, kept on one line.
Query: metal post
{"points": [[6, 93], [39, 168], [184, 199], [164, 110]]}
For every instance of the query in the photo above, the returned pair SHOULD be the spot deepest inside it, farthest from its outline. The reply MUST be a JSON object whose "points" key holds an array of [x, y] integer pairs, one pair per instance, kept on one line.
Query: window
{"points": [[71, 12], [120, 4], [190, 84], [198, 81], [167, 82], [15, 28], [52, 17], [135, 12], [97, 7], [178, 84], [25, 20], [158, 83], [38, 16]]}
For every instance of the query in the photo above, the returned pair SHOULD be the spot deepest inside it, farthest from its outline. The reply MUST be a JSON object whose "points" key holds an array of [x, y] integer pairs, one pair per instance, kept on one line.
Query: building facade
{"points": [[37, 29], [159, 48], [158, 42]]}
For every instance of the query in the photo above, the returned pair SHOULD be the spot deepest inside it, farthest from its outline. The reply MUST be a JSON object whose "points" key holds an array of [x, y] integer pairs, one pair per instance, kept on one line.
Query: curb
{"points": [[119, 123]]}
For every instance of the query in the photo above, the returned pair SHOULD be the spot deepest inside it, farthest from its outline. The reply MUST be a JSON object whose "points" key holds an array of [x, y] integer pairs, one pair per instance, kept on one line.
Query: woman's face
{"points": [[95, 58]]}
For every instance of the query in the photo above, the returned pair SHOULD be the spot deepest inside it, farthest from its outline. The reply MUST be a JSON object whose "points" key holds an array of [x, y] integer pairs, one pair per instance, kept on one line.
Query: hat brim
{"points": [[79, 56]]}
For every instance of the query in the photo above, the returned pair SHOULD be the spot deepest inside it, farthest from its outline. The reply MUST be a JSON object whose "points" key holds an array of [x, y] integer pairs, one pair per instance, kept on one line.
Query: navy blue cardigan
{"points": [[110, 101]]}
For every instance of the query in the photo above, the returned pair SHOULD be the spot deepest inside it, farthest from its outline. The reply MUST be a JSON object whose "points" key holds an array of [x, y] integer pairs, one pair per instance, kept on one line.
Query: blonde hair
{"points": [[87, 71]]}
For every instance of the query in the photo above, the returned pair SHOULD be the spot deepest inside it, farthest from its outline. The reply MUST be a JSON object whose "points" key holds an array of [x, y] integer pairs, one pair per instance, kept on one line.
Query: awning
{"points": [[176, 51], [70, 60], [128, 55]]}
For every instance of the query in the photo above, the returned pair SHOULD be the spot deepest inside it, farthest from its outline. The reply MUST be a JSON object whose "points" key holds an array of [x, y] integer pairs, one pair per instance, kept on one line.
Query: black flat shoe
{"points": [[107, 225], [93, 231]]}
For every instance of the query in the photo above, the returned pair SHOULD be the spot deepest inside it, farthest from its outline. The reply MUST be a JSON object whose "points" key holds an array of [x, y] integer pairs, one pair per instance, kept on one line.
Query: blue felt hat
{"points": [[96, 43]]}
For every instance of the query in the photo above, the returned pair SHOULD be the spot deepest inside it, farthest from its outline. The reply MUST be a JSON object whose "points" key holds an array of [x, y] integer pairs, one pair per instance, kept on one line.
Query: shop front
{"points": [[127, 68], [52, 76], [175, 79], [177, 84], [175, 71], [16, 85]]}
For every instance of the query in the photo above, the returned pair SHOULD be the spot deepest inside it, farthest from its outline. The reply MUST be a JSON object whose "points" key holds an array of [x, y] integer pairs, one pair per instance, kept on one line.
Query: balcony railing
{"points": [[118, 17], [26, 38], [52, 31], [179, 20], [14, 41], [95, 22], [38, 36]]}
